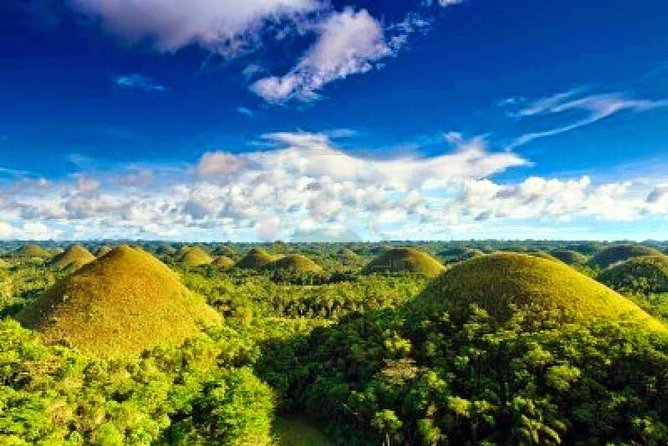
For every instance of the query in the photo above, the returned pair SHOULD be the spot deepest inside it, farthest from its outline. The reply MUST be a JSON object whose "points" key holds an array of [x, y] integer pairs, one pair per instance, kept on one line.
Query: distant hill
{"points": [[75, 256], [295, 263], [119, 305], [647, 274], [620, 253], [256, 258], [33, 251], [569, 256], [223, 262], [195, 256], [458, 254], [499, 282], [102, 250], [405, 260]]}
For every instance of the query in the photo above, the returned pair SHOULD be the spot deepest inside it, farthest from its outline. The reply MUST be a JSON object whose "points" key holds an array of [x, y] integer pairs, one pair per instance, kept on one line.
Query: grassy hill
{"points": [[647, 274], [119, 305], [256, 258], [102, 250], [405, 260], [32, 251], [620, 253], [195, 256], [226, 251], [295, 263], [569, 257], [75, 256], [223, 262], [543, 255], [499, 282], [458, 254]]}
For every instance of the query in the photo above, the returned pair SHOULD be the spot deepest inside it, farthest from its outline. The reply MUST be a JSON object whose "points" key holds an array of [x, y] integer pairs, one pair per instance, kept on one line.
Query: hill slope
{"points": [[295, 263], [569, 256], [405, 259], [223, 262], [255, 258], [119, 305], [648, 274], [620, 253], [497, 282], [195, 256], [32, 251], [74, 256]]}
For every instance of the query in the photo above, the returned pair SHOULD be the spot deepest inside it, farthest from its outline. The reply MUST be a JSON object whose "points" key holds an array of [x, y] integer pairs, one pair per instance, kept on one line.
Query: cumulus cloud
{"points": [[223, 27], [595, 107], [349, 42], [302, 186]]}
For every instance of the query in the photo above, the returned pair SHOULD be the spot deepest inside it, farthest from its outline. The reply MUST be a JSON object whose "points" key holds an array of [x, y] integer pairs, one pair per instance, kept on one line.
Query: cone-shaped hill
{"points": [[295, 263], [648, 274], [75, 256], [166, 250], [459, 253], [569, 256], [499, 282], [223, 262], [119, 305], [226, 251], [33, 251], [102, 250], [195, 256], [405, 260], [256, 258], [621, 253]]}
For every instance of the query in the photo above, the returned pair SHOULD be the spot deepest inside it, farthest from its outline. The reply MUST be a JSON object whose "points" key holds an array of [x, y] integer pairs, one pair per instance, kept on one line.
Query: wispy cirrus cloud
{"points": [[246, 112], [139, 82], [595, 107]]}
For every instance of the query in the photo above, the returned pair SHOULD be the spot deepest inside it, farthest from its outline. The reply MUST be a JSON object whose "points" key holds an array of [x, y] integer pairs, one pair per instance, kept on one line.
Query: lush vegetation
{"points": [[504, 348]]}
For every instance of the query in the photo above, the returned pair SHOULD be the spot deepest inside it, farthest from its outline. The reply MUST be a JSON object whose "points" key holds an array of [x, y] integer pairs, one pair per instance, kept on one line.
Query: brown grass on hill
{"points": [[295, 263], [223, 262], [33, 251], [75, 256], [499, 282], [195, 256], [256, 258], [405, 260], [119, 305]]}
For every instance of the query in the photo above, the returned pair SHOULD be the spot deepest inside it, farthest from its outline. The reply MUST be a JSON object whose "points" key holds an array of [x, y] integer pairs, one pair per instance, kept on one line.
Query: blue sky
{"points": [[267, 119]]}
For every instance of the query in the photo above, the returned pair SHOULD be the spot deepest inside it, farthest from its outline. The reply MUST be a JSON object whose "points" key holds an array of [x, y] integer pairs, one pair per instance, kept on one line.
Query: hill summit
{"points": [[33, 251], [405, 260], [621, 253], [295, 263], [255, 258], [647, 274], [74, 256], [498, 283], [118, 305], [195, 256]]}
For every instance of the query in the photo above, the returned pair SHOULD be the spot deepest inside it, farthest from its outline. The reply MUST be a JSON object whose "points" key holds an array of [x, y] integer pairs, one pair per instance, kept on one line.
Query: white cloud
{"points": [[348, 43], [220, 26], [268, 228], [596, 107], [306, 187]]}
